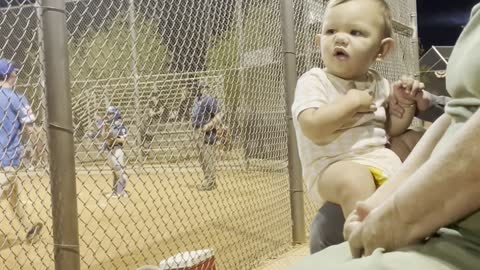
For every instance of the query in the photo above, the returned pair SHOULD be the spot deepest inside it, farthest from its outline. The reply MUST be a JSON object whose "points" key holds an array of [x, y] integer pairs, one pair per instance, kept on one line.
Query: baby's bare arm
{"points": [[320, 124]]}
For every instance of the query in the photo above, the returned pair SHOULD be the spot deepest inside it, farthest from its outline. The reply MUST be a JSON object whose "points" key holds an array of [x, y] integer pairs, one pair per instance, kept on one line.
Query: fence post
{"points": [[414, 26], [136, 93], [60, 136], [41, 58], [294, 168]]}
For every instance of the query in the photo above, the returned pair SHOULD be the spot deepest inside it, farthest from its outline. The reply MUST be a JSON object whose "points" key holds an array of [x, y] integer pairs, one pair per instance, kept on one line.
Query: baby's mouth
{"points": [[340, 54]]}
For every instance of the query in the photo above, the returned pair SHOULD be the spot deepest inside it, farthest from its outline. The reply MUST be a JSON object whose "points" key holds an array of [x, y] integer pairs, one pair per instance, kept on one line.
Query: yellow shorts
{"points": [[378, 176]]}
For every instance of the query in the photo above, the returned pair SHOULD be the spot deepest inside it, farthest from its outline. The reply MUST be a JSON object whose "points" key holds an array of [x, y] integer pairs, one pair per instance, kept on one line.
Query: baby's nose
{"points": [[341, 38]]}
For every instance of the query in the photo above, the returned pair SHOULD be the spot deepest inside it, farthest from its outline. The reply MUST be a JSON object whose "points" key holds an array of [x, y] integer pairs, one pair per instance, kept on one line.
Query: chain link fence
{"points": [[147, 58]]}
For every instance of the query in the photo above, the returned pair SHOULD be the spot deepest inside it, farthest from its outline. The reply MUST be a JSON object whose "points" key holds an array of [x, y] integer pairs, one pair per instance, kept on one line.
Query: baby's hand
{"points": [[362, 100], [405, 89]]}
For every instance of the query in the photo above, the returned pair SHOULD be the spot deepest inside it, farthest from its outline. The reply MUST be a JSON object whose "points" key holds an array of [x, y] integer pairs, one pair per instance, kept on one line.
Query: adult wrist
{"points": [[406, 219], [428, 96]]}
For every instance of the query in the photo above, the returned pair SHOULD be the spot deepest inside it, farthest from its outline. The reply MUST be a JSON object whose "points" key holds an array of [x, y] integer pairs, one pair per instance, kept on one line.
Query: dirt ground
{"points": [[246, 220]]}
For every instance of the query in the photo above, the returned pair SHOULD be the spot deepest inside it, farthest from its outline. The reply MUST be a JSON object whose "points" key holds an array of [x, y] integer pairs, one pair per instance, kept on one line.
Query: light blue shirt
{"points": [[14, 112]]}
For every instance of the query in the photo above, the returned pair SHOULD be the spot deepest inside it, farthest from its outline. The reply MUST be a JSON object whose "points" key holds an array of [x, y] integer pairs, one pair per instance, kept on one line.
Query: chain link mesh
{"points": [[147, 59]]}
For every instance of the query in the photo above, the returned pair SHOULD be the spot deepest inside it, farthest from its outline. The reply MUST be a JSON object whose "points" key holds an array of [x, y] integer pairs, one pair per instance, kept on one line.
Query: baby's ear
{"points": [[386, 46], [317, 40]]}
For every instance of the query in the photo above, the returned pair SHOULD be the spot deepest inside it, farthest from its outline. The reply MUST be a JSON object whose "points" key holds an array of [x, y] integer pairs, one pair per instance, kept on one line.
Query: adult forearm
{"points": [[419, 155], [431, 114], [431, 106], [447, 187]]}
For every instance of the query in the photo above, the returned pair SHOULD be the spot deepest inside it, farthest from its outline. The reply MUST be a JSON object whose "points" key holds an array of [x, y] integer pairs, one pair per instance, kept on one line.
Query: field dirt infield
{"points": [[245, 220]]}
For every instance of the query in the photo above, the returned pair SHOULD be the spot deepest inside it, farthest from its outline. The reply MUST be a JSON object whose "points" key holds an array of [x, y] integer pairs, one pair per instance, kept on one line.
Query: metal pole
{"points": [[60, 137], [294, 168], [413, 24], [133, 40], [244, 97], [37, 6]]}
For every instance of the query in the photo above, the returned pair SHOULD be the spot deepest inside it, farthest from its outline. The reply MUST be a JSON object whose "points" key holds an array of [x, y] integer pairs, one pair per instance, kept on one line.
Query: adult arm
{"points": [[454, 176], [419, 155], [446, 188], [434, 107]]}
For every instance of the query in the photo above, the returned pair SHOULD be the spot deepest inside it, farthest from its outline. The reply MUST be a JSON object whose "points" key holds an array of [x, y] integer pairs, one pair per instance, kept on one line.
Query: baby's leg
{"points": [[346, 183]]}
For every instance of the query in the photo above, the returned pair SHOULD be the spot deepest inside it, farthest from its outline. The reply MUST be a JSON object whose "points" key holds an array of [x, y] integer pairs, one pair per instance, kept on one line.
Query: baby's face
{"points": [[351, 37]]}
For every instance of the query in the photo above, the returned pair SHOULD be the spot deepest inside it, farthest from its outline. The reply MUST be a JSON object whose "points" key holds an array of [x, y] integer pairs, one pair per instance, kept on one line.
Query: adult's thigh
{"points": [[338, 257]]}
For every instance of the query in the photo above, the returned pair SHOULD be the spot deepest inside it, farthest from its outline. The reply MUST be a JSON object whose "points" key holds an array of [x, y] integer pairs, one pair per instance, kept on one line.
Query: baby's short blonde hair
{"points": [[387, 14]]}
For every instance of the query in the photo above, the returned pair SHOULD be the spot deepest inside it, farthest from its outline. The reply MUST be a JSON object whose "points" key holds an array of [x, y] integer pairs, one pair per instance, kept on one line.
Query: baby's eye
{"points": [[356, 33], [330, 31]]}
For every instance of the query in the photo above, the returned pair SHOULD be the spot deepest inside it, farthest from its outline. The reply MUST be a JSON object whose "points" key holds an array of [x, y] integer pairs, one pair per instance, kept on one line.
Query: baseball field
{"points": [[246, 220]]}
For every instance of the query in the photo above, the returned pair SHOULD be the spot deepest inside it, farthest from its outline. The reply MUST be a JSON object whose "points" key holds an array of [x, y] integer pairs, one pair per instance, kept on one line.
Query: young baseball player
{"points": [[206, 118], [115, 135], [17, 117]]}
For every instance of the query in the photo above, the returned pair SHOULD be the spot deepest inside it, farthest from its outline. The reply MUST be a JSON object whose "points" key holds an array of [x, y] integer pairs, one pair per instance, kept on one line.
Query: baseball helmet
{"points": [[115, 111]]}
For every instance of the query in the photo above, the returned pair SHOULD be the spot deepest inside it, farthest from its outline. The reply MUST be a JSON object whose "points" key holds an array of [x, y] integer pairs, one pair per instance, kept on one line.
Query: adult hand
{"points": [[424, 100], [381, 228], [354, 219]]}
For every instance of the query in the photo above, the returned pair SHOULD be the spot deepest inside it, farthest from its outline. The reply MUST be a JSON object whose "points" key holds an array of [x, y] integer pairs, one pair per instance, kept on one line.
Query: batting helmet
{"points": [[115, 112]]}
